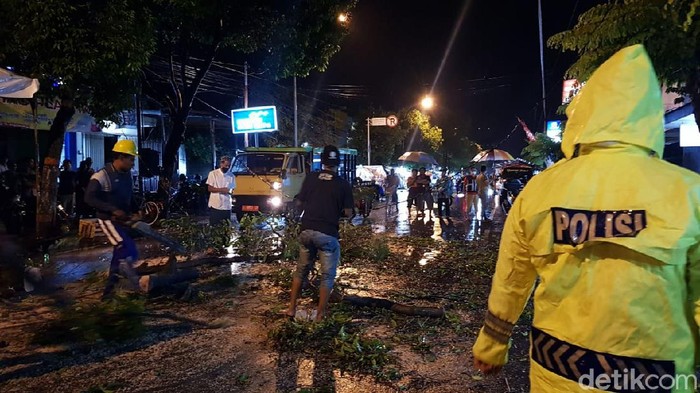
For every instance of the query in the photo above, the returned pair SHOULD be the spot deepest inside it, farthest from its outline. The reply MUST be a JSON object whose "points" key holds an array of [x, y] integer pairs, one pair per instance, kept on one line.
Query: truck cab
{"points": [[268, 178]]}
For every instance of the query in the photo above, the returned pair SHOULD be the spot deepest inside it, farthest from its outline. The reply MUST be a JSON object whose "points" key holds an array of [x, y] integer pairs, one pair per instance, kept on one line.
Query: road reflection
{"points": [[397, 220]]}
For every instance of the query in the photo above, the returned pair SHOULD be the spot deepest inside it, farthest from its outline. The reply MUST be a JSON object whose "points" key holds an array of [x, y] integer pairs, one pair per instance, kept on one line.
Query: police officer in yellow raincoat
{"points": [[613, 233]]}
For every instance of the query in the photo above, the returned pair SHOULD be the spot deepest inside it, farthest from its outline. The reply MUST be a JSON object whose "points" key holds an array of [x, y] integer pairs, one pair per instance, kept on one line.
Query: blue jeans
{"points": [[124, 256], [326, 247]]}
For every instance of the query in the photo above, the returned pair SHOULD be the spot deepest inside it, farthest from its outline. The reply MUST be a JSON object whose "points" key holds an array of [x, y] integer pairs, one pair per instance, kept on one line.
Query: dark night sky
{"points": [[491, 75]]}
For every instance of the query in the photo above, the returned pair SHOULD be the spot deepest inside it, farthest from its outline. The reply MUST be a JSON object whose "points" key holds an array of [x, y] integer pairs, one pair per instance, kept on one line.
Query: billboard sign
{"points": [[570, 88], [554, 130], [257, 119]]}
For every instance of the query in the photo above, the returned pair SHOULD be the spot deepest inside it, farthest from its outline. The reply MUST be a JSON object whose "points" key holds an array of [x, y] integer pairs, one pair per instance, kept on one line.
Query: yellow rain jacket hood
{"points": [[611, 236], [620, 102]]}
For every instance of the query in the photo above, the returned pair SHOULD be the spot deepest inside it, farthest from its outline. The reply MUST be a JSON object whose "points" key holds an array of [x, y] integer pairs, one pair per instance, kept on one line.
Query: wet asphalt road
{"points": [[394, 220]]}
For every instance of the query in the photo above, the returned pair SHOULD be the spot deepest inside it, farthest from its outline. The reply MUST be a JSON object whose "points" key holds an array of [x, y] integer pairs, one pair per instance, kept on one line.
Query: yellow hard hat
{"points": [[125, 146]]}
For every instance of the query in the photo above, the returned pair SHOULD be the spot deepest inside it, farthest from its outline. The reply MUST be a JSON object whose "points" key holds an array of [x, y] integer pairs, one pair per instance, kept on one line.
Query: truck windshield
{"points": [[258, 163]]}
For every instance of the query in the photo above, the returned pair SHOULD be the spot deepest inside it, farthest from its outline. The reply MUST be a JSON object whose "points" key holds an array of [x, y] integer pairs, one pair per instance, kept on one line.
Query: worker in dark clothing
{"points": [[324, 197], [110, 192]]}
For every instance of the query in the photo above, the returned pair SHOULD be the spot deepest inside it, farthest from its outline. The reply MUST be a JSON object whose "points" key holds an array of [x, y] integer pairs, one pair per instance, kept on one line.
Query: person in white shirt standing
{"points": [[220, 184]]}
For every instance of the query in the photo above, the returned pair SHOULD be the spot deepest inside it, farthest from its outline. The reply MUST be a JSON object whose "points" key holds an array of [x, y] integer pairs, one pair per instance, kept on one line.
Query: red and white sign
{"points": [[392, 121], [569, 90]]}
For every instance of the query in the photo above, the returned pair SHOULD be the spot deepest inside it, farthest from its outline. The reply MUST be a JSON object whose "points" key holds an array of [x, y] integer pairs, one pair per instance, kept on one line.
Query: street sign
{"points": [[257, 119], [392, 121], [377, 121]]}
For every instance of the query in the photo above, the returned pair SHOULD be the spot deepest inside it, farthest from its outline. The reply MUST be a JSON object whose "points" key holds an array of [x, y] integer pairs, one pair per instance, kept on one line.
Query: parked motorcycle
{"points": [[13, 210], [511, 189]]}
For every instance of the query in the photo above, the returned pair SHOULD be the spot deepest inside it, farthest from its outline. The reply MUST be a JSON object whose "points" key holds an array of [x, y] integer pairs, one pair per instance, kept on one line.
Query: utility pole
{"points": [[139, 134], [296, 127], [212, 129], [544, 94], [368, 146], [245, 96]]}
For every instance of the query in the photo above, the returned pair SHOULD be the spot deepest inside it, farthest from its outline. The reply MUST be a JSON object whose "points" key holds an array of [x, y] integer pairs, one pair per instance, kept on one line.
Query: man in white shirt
{"points": [[220, 184]]}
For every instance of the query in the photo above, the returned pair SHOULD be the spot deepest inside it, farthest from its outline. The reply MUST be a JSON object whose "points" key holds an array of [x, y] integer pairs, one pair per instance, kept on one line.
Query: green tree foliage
{"points": [[295, 37], [89, 53], [307, 35], [431, 134], [387, 143], [198, 147], [95, 51], [542, 150], [458, 150], [318, 127], [668, 29], [90, 50]]}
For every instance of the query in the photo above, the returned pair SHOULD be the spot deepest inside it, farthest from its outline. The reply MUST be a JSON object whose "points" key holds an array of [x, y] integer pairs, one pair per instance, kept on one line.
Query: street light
{"points": [[427, 102], [343, 18]]}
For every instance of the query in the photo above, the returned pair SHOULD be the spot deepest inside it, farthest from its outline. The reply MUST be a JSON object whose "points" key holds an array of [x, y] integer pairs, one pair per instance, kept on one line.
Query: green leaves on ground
{"points": [[117, 319], [195, 237], [358, 242], [254, 239], [339, 340]]}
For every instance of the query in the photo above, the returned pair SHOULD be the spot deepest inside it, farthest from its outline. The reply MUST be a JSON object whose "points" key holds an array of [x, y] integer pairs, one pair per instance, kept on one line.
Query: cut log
{"points": [[403, 309], [152, 282]]}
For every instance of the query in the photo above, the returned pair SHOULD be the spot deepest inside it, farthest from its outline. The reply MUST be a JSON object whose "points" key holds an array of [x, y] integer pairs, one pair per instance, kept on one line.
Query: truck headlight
{"points": [[275, 201], [276, 186]]}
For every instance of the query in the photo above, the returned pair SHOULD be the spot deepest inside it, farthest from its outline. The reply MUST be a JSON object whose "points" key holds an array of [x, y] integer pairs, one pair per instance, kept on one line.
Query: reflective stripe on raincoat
{"points": [[613, 233]]}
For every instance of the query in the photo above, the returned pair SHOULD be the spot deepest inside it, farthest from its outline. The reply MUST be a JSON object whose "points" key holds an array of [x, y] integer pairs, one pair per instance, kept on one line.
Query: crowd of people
{"points": [[476, 193]]}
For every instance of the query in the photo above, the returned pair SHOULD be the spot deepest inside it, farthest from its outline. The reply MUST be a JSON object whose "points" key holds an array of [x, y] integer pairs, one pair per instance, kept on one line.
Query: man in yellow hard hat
{"points": [[110, 193], [613, 233]]}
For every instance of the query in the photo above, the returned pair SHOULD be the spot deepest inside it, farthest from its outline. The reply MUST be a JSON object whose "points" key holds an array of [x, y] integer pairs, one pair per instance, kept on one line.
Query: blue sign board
{"points": [[554, 125], [554, 130], [257, 119]]}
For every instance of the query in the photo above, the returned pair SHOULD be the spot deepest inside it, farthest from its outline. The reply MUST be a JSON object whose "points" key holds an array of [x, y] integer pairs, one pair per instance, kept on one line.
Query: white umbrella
{"points": [[418, 157], [492, 155], [16, 86]]}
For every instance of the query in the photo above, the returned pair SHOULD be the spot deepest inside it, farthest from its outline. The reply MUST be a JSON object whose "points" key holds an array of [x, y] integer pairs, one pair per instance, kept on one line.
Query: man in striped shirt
{"points": [[110, 192]]}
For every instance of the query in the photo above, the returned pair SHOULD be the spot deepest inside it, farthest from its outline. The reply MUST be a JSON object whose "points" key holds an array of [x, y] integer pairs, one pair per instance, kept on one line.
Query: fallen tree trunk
{"points": [[162, 280], [403, 309], [211, 261]]}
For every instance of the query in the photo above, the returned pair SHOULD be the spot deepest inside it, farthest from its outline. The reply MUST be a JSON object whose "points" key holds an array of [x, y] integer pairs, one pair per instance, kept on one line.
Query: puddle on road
{"points": [[72, 267], [400, 223], [428, 257], [237, 268]]}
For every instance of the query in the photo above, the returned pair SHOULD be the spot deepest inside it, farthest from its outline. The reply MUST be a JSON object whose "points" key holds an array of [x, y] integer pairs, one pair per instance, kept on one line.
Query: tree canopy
{"points": [[542, 151], [292, 38], [98, 50], [92, 51], [667, 28], [430, 133]]}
